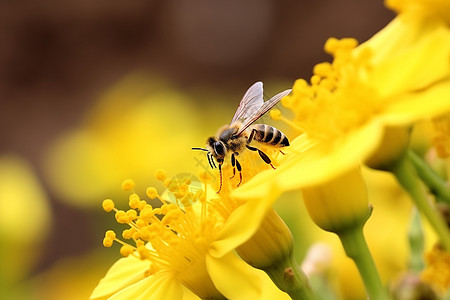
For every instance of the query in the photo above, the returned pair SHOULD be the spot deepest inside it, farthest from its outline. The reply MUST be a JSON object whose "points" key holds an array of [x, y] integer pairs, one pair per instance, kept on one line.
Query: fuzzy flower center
{"points": [[173, 237], [338, 97]]}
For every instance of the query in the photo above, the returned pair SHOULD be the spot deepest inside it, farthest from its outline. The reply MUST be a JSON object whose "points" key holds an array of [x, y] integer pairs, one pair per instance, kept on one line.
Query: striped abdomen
{"points": [[269, 135]]}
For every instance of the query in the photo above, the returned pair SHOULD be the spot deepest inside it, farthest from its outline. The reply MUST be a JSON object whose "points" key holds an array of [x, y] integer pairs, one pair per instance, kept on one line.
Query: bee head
{"points": [[217, 148]]}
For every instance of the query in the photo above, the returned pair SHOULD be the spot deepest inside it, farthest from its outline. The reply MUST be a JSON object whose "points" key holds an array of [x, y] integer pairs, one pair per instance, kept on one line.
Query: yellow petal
{"points": [[123, 273], [421, 8], [415, 66], [237, 280], [242, 224], [158, 287], [412, 107]]}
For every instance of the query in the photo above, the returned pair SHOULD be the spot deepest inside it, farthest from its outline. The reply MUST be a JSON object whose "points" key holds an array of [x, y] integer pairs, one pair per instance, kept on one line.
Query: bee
{"points": [[234, 138]]}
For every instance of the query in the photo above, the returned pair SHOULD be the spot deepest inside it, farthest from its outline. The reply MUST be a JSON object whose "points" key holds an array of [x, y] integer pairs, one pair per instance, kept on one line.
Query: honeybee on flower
{"points": [[235, 137]]}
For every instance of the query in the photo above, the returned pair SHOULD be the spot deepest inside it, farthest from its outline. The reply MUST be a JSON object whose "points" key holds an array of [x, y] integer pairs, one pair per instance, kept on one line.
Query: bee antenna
{"points": [[202, 149], [220, 174]]}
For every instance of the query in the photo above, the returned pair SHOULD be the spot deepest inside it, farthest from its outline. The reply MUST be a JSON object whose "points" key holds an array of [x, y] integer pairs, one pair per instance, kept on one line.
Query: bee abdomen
{"points": [[269, 135]]}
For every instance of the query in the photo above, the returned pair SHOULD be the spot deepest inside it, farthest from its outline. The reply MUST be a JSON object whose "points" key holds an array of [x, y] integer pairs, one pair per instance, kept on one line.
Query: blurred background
{"points": [[94, 92]]}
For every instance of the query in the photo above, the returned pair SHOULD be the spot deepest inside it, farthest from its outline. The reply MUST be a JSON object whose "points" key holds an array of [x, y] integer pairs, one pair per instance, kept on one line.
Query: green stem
{"points": [[288, 277], [406, 176], [435, 183], [416, 243], [356, 248]]}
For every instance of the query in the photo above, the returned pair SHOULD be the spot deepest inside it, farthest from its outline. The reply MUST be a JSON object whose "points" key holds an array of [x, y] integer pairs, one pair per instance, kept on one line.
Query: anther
{"points": [[108, 205], [160, 175], [127, 185], [126, 250], [275, 114], [134, 201], [121, 217], [151, 192]]}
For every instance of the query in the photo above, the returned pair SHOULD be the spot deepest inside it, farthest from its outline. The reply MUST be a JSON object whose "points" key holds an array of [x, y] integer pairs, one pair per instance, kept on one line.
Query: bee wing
{"points": [[250, 103], [263, 109]]}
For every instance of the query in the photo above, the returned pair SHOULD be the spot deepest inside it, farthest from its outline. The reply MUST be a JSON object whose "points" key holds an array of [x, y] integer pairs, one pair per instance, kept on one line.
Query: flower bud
{"points": [[340, 203], [272, 243], [394, 143]]}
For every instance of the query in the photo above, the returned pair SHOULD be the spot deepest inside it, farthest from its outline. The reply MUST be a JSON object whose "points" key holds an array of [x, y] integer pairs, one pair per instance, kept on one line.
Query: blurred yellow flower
{"points": [[24, 219], [187, 243], [437, 272]]}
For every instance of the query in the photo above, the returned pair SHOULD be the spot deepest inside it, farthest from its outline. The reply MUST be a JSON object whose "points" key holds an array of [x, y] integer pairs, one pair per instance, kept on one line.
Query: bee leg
{"points": [[252, 134], [264, 156], [282, 152], [239, 168], [233, 164]]}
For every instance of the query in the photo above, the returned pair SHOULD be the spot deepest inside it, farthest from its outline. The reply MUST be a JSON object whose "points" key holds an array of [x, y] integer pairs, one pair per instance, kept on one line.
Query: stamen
{"points": [[108, 205], [179, 232], [160, 175], [127, 185], [134, 201], [151, 192]]}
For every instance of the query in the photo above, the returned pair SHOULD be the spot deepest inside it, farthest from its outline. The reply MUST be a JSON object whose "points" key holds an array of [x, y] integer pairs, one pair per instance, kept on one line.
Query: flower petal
{"points": [[242, 223], [123, 273], [156, 287], [412, 107], [237, 280], [412, 68]]}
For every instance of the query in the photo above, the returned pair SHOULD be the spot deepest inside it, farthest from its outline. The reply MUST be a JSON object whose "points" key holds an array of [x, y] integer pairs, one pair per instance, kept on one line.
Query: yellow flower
{"points": [[184, 247], [359, 107]]}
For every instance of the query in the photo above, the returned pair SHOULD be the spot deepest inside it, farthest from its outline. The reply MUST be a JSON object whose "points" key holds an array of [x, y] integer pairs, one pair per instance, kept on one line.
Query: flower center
{"points": [[173, 237], [339, 96]]}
